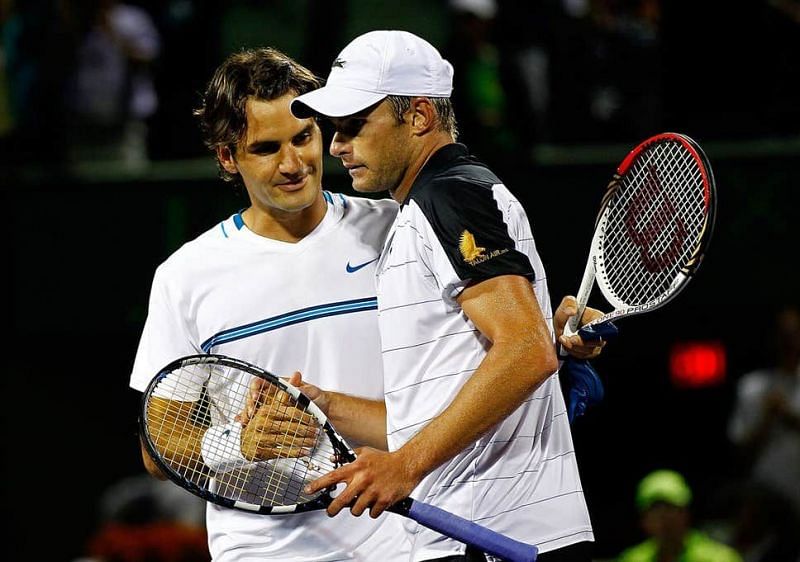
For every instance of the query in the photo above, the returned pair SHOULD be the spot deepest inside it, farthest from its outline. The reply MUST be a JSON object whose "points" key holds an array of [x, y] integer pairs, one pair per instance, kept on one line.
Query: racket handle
{"points": [[604, 331], [587, 283], [466, 531]]}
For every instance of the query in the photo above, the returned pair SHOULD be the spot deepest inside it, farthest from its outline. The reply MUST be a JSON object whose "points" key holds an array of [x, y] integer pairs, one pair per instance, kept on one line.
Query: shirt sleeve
{"points": [[166, 335], [469, 238]]}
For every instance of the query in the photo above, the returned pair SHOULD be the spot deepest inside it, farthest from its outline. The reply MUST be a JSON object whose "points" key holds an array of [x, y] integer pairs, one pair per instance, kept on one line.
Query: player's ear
{"points": [[226, 159], [423, 115]]}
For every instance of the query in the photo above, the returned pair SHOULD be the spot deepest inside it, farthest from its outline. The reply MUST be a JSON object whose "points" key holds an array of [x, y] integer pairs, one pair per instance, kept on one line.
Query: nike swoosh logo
{"points": [[354, 268]]}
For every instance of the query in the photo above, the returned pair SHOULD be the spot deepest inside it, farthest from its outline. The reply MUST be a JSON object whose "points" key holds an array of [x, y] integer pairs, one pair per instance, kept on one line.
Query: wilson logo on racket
{"points": [[472, 253], [662, 219], [654, 226]]}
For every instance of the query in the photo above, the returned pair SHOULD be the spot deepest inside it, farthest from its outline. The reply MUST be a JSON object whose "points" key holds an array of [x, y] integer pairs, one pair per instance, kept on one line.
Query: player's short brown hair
{"points": [[444, 111], [263, 74]]}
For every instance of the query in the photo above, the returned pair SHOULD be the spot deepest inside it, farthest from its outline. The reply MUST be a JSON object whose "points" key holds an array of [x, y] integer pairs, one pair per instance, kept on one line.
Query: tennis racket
{"points": [[189, 427], [653, 229]]}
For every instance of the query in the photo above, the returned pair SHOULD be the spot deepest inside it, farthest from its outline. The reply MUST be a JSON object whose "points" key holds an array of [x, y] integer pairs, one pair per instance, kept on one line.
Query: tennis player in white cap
{"points": [[474, 415]]}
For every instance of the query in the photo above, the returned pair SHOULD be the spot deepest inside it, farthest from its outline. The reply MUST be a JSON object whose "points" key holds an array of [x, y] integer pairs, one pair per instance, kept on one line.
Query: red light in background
{"points": [[697, 364]]}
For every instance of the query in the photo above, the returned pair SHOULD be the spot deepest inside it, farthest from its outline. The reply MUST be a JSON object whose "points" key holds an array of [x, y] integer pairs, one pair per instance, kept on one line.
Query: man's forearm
{"points": [[505, 311], [178, 437], [360, 420], [506, 377]]}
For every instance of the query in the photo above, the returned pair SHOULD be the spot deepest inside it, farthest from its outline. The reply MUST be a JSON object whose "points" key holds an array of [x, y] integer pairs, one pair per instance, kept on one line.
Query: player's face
{"points": [[280, 158], [373, 147]]}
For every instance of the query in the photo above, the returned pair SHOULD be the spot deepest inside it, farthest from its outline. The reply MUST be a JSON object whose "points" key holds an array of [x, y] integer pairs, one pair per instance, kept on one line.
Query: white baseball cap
{"points": [[373, 66]]}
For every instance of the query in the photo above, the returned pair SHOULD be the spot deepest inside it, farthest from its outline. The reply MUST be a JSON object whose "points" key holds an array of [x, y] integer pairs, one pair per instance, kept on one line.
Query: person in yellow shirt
{"points": [[663, 498]]}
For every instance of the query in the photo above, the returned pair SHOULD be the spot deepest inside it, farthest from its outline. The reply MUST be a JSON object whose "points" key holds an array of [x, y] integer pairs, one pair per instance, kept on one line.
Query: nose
{"points": [[339, 145], [291, 161]]}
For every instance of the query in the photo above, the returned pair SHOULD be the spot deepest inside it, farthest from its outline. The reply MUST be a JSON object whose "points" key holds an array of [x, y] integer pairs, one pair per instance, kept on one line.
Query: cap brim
{"points": [[333, 101]]}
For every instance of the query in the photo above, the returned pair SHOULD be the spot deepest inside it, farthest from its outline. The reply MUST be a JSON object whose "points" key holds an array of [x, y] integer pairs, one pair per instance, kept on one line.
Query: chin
{"points": [[296, 202], [367, 187]]}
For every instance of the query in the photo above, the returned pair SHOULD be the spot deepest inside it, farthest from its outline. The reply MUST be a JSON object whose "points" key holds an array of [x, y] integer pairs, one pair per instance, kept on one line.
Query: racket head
{"points": [[196, 394], [655, 224]]}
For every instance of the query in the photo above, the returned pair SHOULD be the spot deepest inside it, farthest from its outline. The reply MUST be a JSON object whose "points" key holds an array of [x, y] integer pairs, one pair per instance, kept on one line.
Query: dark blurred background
{"points": [[104, 175]]}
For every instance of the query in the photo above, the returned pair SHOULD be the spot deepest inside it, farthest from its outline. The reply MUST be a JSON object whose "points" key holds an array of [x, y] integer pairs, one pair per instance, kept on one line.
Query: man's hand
{"points": [[320, 397], [272, 426], [258, 385], [574, 345], [375, 480]]}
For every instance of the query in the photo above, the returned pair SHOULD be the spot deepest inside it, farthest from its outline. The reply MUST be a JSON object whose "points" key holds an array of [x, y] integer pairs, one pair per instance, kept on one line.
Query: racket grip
{"points": [[587, 282], [605, 331], [468, 532]]}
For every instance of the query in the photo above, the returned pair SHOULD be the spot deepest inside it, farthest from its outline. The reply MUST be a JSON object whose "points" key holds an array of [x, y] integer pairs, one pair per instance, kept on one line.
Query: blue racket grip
{"points": [[606, 331], [470, 533]]}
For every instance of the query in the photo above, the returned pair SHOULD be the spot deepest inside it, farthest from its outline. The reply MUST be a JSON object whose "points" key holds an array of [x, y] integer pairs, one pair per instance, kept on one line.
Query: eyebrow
{"points": [[274, 145]]}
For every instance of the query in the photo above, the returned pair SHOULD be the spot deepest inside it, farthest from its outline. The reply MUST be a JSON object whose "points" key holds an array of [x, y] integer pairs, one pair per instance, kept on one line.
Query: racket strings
{"points": [[172, 416], [290, 449], [654, 223]]}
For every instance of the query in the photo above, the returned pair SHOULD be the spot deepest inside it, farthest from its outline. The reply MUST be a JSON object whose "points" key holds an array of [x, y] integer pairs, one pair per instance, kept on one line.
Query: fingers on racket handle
{"points": [[605, 331], [573, 323], [471, 533]]}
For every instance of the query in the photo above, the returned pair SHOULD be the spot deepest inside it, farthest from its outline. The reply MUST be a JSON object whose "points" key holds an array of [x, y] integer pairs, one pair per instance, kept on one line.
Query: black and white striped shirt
{"points": [[459, 225]]}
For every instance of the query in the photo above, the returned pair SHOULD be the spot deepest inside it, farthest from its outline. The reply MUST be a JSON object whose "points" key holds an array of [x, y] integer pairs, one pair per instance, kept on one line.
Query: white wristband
{"points": [[221, 448]]}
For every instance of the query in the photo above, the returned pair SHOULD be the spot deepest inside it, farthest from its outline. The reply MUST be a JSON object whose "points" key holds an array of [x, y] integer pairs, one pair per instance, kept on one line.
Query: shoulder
{"points": [[367, 211], [456, 185], [455, 200], [642, 552], [705, 549], [364, 204], [755, 383], [195, 253]]}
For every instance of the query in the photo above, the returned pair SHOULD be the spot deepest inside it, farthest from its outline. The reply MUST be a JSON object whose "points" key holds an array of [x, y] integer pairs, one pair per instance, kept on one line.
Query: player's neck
{"points": [[282, 225], [439, 140]]}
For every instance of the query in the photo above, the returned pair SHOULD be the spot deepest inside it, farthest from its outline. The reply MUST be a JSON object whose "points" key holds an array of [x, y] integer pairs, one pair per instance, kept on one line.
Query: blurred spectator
{"points": [[625, 100], [110, 94], [38, 48], [583, 70], [525, 33], [256, 23], [781, 65], [478, 92], [148, 520], [765, 425], [5, 109], [663, 498], [190, 33]]}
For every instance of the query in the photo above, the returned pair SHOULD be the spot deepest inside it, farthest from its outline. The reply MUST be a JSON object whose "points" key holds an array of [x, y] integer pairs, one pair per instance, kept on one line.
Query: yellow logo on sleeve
{"points": [[470, 250], [474, 254]]}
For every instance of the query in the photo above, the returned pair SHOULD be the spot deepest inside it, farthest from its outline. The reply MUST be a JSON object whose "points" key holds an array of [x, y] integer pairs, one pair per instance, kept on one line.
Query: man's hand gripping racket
{"points": [[192, 426], [651, 234]]}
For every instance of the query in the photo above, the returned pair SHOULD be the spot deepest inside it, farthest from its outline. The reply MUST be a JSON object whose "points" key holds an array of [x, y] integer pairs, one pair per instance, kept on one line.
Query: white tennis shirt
{"points": [[460, 225], [308, 306]]}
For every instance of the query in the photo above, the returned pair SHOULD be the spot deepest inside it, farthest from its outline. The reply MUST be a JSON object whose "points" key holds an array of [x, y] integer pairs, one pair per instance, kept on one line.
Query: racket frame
{"points": [[321, 501], [688, 269], [432, 517]]}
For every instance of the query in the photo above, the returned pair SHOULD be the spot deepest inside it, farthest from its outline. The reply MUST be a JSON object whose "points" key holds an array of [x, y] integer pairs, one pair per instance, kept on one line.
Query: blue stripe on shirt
{"points": [[290, 318]]}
